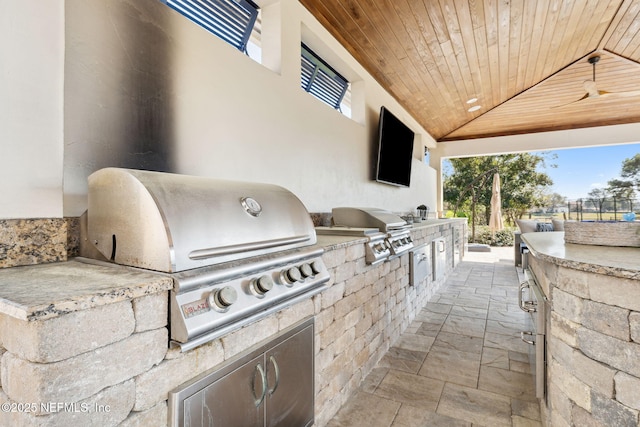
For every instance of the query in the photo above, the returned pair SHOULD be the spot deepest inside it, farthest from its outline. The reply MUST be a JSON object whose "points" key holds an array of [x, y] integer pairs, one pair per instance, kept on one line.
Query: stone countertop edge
{"points": [[332, 242], [45, 291], [623, 262]]}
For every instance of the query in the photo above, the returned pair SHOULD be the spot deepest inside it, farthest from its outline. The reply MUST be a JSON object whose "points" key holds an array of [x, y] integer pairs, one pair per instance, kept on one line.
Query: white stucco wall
{"points": [[31, 117], [255, 124]]}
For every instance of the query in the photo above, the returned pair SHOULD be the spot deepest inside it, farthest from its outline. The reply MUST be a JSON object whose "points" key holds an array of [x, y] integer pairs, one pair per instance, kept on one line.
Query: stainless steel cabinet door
{"points": [[269, 385], [237, 399], [290, 394]]}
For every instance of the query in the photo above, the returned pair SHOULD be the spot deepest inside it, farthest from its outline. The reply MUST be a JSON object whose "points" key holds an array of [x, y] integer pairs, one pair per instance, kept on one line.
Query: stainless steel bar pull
{"points": [[530, 342], [263, 378], [527, 306], [277, 372]]}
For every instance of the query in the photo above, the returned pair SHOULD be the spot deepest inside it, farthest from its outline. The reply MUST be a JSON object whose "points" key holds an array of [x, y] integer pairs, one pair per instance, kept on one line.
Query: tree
{"points": [[625, 189], [556, 200], [631, 170], [597, 198], [522, 185]]}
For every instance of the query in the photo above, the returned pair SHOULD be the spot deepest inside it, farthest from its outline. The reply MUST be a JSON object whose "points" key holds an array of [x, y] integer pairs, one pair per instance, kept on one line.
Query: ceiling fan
{"points": [[592, 90]]}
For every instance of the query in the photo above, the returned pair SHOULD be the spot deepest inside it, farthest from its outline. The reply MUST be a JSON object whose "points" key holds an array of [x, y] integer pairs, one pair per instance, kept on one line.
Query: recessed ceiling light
{"points": [[474, 108], [472, 100]]}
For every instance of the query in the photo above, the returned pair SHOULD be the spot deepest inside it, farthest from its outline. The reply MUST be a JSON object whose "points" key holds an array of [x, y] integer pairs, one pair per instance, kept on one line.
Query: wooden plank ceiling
{"points": [[524, 61]]}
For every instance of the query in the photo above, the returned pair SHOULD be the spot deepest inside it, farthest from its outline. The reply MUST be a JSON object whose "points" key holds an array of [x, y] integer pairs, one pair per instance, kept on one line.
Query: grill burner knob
{"points": [[292, 275], [223, 298], [306, 270], [315, 267], [262, 285]]}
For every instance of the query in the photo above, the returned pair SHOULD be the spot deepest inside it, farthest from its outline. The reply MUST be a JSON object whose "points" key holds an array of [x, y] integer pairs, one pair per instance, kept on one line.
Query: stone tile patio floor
{"points": [[460, 363]]}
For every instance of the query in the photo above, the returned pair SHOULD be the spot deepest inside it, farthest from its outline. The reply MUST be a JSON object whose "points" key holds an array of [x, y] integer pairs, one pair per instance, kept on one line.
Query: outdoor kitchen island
{"points": [[592, 330], [86, 343]]}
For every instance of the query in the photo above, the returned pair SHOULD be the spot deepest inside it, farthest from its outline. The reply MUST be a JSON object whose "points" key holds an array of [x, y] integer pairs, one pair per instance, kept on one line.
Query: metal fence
{"points": [[605, 209]]}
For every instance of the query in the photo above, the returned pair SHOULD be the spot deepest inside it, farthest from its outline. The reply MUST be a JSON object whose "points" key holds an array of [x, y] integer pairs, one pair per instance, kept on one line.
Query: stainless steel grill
{"points": [[398, 236], [236, 251]]}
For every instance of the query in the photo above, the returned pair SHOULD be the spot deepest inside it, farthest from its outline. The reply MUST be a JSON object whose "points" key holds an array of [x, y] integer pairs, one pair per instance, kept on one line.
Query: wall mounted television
{"points": [[395, 150]]}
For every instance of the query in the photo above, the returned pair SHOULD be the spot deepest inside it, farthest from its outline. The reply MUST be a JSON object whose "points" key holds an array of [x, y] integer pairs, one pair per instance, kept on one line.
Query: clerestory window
{"points": [[231, 20], [321, 80]]}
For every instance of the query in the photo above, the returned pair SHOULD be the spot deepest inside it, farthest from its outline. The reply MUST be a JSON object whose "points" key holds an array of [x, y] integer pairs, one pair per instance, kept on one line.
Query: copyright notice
{"points": [[53, 407]]}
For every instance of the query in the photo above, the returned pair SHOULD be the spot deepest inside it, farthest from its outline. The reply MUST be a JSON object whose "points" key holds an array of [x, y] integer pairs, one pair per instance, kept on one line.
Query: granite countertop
{"points": [[332, 242], [437, 221], [335, 241], [48, 290], [612, 261]]}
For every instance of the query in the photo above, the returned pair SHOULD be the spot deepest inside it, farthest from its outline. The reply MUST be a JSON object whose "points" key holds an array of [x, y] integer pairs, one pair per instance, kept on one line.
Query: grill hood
{"points": [[169, 222], [367, 217]]}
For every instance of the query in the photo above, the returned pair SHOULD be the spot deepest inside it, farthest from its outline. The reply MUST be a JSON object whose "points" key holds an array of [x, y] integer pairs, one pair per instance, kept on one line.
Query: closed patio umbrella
{"points": [[495, 221]]}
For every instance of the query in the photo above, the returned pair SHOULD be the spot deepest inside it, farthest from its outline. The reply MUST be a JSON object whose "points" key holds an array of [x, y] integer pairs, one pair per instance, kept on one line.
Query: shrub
{"points": [[485, 236]]}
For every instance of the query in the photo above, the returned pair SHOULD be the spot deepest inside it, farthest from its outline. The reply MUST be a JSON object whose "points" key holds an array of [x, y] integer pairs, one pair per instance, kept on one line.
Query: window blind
{"points": [[230, 20], [320, 80]]}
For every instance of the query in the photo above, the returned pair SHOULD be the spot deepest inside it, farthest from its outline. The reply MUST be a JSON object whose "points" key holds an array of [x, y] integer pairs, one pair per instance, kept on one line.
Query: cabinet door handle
{"points": [[528, 306], [523, 333], [263, 378], [276, 368]]}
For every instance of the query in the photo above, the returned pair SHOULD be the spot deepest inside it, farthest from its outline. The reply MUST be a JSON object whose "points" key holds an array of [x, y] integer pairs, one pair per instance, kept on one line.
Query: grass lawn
{"points": [[586, 216]]}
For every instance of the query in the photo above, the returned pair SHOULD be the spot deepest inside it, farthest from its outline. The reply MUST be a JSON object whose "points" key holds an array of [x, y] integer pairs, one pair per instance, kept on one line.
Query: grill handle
{"points": [[245, 247]]}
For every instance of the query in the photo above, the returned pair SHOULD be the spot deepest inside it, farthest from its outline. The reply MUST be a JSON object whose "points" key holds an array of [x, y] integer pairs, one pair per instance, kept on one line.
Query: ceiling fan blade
{"points": [[586, 95], [621, 94], [592, 91]]}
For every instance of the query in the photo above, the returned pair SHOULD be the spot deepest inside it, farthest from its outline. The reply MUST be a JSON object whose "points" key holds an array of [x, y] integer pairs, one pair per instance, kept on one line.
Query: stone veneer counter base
{"points": [[593, 331]]}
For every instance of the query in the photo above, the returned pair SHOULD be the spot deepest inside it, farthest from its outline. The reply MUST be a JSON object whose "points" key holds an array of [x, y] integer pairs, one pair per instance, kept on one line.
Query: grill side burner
{"points": [[236, 251], [376, 249]]}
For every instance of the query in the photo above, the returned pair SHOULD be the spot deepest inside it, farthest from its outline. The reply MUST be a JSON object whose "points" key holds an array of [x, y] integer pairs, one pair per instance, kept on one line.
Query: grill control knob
{"points": [[316, 267], [292, 275], [306, 270], [262, 285], [222, 298]]}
